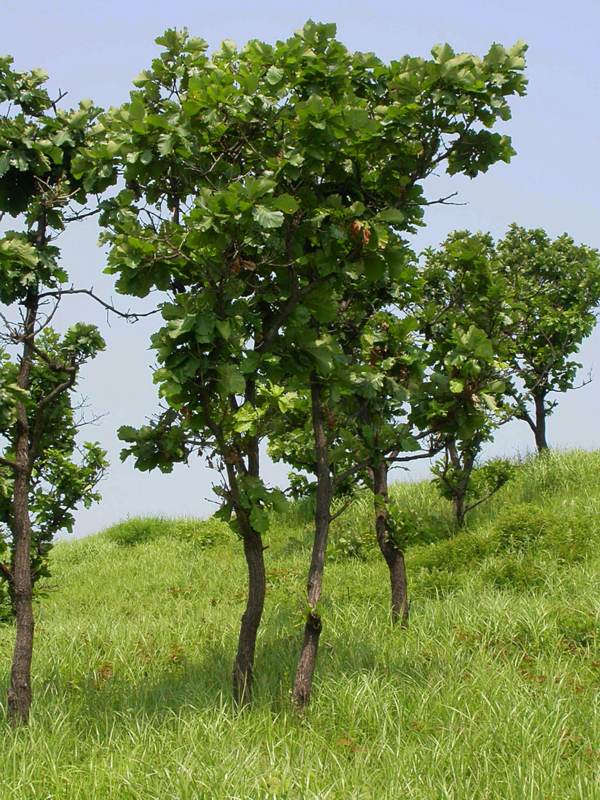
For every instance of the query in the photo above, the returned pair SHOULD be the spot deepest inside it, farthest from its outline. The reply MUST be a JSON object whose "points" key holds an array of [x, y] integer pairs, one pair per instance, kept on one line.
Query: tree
{"points": [[369, 427], [263, 190], [555, 285], [416, 115], [464, 320], [40, 484]]}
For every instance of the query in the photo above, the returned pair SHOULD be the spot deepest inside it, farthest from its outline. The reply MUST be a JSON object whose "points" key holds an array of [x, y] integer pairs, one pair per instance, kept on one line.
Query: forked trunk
{"points": [[393, 555], [313, 626], [244, 660]]}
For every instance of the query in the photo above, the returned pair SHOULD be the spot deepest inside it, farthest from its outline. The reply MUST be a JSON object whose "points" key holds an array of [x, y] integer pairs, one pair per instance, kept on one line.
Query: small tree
{"points": [[263, 189], [555, 285], [40, 484], [369, 425], [464, 321]]}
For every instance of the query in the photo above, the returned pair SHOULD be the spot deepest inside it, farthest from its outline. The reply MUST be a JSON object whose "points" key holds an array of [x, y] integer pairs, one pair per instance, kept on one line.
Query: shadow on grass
{"points": [[103, 702]]}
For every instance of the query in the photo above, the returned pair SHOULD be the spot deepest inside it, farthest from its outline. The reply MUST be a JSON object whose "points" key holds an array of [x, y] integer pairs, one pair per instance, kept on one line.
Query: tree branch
{"points": [[129, 315]]}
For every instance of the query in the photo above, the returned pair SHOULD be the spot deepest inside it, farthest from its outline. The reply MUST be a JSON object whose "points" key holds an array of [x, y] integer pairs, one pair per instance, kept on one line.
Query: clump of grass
{"points": [[141, 530]]}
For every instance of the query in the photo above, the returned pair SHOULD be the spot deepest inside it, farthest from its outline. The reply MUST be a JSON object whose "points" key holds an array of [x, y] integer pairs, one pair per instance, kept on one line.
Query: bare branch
{"points": [[340, 511], [82, 215], [128, 315], [441, 201]]}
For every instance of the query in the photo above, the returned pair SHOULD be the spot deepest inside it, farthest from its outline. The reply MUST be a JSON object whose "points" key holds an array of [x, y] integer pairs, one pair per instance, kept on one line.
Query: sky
{"points": [[96, 49]]}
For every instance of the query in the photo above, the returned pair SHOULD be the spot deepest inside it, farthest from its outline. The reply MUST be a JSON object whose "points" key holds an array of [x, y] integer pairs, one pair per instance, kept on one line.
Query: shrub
{"points": [[352, 534], [521, 527], [140, 530], [519, 571], [453, 555], [576, 627], [436, 582]]}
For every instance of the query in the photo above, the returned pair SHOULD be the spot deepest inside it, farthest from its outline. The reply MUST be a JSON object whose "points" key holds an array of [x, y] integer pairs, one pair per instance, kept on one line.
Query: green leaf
{"points": [[374, 267], [274, 75], [285, 203], [267, 218], [231, 379], [259, 519], [224, 327], [391, 215]]}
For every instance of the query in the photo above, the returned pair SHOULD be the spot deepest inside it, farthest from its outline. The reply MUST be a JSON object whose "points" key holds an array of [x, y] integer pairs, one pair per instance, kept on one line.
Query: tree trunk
{"points": [[540, 422], [464, 467], [458, 506], [313, 626], [244, 659], [19, 692], [393, 555]]}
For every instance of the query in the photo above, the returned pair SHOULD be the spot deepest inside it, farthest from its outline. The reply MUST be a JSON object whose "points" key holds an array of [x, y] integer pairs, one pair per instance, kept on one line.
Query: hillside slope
{"points": [[491, 693]]}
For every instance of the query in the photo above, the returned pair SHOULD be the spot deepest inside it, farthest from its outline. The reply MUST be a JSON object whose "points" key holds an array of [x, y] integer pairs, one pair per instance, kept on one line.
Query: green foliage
{"points": [[352, 532], [555, 285], [274, 201], [518, 571], [464, 320], [64, 473], [40, 143], [203, 534]]}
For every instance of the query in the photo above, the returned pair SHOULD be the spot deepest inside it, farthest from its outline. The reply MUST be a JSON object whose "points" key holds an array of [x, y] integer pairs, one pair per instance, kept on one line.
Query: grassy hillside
{"points": [[491, 693]]}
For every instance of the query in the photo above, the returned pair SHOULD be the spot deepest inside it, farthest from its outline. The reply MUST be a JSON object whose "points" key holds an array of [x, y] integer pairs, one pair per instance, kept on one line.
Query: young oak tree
{"points": [[40, 483], [555, 285], [464, 320]]}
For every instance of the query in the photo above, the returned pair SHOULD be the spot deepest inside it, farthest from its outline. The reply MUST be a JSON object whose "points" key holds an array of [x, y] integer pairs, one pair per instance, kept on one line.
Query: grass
{"points": [[491, 693]]}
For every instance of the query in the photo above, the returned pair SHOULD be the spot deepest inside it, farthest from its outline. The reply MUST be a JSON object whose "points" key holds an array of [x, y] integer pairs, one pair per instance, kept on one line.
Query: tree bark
{"points": [[393, 555], [458, 506], [540, 421], [19, 692], [313, 626], [243, 665], [459, 490]]}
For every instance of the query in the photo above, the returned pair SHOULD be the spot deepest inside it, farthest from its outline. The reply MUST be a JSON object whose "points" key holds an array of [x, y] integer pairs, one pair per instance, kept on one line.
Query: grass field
{"points": [[491, 693]]}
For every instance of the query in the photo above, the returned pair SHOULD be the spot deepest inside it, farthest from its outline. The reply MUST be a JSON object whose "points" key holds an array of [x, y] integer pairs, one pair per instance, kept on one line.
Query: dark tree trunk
{"points": [[313, 626], [458, 506], [459, 489], [393, 555], [244, 660], [540, 422], [243, 664], [19, 692]]}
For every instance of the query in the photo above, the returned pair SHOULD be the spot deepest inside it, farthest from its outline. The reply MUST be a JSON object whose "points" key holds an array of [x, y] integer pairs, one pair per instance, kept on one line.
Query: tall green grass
{"points": [[491, 693]]}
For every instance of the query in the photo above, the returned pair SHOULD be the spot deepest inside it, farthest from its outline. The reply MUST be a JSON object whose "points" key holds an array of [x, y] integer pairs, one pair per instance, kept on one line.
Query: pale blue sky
{"points": [[95, 49]]}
